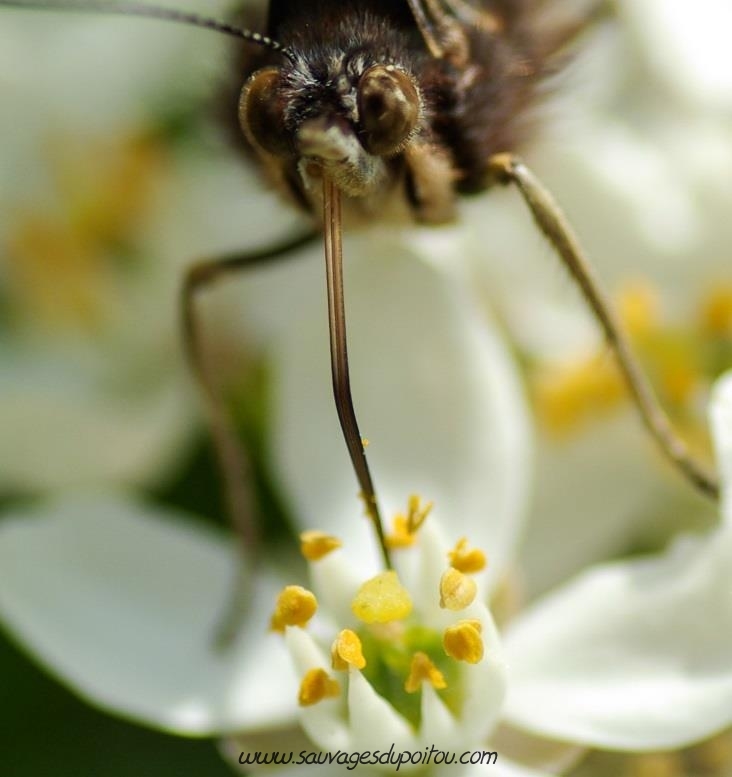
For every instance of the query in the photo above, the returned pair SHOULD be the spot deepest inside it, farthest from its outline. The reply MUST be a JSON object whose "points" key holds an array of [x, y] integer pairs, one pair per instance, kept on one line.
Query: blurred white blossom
{"points": [[637, 147]]}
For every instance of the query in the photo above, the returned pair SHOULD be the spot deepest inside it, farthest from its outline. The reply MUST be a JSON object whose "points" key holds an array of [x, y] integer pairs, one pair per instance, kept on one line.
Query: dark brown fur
{"points": [[472, 109]]}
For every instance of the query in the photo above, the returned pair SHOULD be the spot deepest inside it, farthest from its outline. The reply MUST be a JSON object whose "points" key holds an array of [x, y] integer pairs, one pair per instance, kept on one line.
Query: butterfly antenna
{"points": [[152, 12]]}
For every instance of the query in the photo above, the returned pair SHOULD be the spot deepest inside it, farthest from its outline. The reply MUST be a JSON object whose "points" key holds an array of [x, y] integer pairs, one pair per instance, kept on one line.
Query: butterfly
{"points": [[389, 111]]}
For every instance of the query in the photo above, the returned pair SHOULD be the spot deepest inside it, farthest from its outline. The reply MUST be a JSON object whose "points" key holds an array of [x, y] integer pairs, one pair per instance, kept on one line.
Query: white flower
{"points": [[637, 150], [101, 213], [120, 601]]}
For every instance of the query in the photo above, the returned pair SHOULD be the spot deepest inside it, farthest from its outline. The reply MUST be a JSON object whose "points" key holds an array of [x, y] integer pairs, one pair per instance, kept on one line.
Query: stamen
{"points": [[400, 537], [457, 590], [382, 599], [463, 641], [347, 651], [422, 669], [316, 686], [465, 559], [295, 607], [407, 525], [417, 513], [315, 544]]}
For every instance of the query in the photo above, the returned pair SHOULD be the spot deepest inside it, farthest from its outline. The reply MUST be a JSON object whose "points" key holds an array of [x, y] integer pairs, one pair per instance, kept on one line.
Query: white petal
{"points": [[634, 655], [64, 427], [720, 420], [434, 391], [335, 584], [373, 722], [121, 602], [601, 518], [438, 726], [688, 51]]}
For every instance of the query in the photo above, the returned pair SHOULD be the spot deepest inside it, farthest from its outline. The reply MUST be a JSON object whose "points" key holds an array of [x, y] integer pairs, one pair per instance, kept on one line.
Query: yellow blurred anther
{"points": [[315, 545], [716, 314], [568, 395], [382, 599], [347, 651], [422, 669], [295, 607], [639, 307], [365, 442], [463, 641], [468, 560], [316, 686], [457, 590]]}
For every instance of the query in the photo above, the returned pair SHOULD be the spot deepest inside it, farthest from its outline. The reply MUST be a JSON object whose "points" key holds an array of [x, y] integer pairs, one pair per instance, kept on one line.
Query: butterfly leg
{"points": [[508, 169], [232, 459]]}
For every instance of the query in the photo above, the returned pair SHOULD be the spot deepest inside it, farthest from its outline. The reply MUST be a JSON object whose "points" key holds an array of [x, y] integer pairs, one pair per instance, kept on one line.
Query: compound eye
{"points": [[389, 107], [261, 112]]}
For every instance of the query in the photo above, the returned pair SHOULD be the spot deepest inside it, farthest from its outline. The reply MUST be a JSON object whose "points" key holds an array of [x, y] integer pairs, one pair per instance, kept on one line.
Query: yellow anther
{"points": [[315, 545], [468, 560], [365, 442], [639, 308], [316, 686], [716, 313], [295, 607], [457, 590], [422, 669], [463, 641], [400, 537], [382, 599], [347, 651]]}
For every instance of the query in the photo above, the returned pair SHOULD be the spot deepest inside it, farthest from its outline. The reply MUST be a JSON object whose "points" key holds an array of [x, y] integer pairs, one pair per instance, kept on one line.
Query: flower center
{"points": [[407, 650], [64, 258], [682, 361]]}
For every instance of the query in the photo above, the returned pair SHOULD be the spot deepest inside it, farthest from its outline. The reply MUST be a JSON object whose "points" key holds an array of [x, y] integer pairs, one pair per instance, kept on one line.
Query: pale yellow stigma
{"points": [[457, 590], [295, 607], [463, 641], [716, 313], [468, 560], [423, 670], [315, 545], [382, 599], [347, 651], [316, 686]]}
